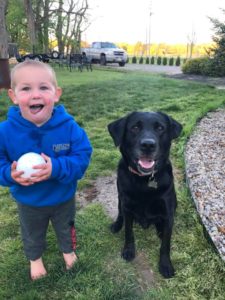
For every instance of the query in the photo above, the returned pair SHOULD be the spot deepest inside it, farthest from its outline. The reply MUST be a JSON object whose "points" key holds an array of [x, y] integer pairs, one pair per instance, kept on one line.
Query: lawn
{"points": [[95, 99]]}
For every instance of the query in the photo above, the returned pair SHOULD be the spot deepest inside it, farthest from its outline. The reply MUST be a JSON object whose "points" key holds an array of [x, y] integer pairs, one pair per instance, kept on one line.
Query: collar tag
{"points": [[152, 183]]}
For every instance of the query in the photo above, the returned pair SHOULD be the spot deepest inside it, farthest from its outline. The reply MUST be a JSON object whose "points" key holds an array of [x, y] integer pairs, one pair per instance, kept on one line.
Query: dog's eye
{"points": [[135, 129], [159, 128]]}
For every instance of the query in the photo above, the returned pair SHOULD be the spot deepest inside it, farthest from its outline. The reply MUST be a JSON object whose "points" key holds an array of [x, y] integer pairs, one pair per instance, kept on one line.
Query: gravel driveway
{"points": [[169, 70]]}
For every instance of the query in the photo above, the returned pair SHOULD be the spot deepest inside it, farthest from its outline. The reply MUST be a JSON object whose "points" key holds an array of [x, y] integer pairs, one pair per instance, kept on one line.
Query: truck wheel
{"points": [[121, 64], [55, 54], [26, 58], [103, 60], [37, 57]]}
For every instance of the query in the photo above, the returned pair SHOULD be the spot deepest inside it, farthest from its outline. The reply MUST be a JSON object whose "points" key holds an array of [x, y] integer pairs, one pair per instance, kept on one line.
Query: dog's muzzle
{"points": [[145, 166], [146, 162]]}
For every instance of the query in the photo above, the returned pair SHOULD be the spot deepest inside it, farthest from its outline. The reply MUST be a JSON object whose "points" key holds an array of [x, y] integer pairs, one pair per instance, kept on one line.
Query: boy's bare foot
{"points": [[70, 259], [37, 269]]}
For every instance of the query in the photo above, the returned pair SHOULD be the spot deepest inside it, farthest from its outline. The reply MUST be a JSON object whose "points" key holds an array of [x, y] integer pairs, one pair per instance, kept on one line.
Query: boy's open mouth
{"points": [[36, 108]]}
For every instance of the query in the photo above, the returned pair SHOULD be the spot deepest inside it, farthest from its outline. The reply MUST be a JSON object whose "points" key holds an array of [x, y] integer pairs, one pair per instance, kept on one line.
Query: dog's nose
{"points": [[148, 145]]}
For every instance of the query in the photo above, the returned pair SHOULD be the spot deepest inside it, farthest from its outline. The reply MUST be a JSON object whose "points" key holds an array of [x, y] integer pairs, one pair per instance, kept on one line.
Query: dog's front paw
{"points": [[128, 252], [166, 268], [115, 227]]}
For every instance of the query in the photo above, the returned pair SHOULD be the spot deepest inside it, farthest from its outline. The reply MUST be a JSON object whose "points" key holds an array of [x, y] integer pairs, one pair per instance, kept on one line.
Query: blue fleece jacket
{"points": [[61, 139]]}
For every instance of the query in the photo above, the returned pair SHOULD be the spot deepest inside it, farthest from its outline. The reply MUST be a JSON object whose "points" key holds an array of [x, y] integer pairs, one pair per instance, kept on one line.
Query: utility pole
{"points": [[149, 30]]}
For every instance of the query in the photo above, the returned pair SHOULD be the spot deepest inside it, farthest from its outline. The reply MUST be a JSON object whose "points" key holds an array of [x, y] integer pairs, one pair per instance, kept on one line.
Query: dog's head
{"points": [[144, 139]]}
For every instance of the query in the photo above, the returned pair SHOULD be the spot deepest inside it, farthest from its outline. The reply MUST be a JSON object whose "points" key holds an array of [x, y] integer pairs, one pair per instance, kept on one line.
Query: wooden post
{"points": [[4, 73]]}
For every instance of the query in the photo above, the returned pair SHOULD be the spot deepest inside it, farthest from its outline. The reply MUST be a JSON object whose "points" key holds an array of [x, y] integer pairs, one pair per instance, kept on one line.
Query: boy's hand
{"points": [[44, 172], [16, 175]]}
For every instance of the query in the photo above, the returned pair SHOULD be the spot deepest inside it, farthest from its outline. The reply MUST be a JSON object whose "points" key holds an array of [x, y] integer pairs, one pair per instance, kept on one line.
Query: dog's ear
{"points": [[175, 127], [116, 130]]}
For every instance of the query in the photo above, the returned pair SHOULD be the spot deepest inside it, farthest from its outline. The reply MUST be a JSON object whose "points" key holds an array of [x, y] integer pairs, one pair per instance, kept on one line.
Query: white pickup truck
{"points": [[105, 52]]}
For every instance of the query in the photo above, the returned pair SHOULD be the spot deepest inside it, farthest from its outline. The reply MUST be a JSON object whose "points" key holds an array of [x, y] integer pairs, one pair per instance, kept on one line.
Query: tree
{"points": [[4, 61], [16, 24], [218, 52], [70, 19], [35, 25], [46, 24], [191, 43], [31, 24], [3, 31]]}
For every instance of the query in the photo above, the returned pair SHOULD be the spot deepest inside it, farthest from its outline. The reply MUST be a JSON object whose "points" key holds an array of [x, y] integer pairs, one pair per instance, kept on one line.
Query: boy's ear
{"points": [[12, 96], [58, 94]]}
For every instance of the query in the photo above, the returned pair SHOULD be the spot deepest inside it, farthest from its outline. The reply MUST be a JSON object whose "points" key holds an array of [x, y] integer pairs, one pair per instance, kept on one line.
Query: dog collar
{"points": [[152, 183], [135, 172]]}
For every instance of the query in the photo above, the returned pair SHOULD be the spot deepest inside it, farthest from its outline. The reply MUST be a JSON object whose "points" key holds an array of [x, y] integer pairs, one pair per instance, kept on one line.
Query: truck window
{"points": [[96, 45], [108, 45]]}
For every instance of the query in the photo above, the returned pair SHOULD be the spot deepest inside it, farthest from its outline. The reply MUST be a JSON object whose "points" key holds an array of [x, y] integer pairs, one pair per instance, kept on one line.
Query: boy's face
{"points": [[35, 93]]}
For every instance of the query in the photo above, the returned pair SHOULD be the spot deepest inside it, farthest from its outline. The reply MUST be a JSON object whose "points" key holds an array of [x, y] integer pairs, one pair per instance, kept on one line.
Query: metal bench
{"points": [[75, 61]]}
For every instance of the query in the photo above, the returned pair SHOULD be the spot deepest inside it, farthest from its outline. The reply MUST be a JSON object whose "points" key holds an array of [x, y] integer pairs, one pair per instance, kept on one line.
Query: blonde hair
{"points": [[32, 63]]}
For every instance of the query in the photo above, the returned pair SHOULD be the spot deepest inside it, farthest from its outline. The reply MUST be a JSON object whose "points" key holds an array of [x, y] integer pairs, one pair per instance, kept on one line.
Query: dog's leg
{"points": [[159, 229], [128, 252], [118, 224], [165, 265]]}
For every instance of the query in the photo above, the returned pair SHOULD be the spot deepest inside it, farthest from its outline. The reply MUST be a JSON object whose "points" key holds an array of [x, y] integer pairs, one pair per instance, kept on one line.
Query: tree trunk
{"points": [[3, 32], [30, 23], [38, 25], [4, 60], [46, 26], [59, 34]]}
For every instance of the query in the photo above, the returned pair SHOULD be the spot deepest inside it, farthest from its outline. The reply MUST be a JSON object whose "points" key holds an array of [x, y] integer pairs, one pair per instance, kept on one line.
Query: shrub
{"points": [[216, 66], [141, 60], [159, 60], [147, 60], [134, 60], [199, 66], [178, 61], [152, 60], [164, 61], [171, 61]]}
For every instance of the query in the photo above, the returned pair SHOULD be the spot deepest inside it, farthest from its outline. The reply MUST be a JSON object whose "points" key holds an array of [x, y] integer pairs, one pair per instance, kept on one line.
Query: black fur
{"points": [[145, 179]]}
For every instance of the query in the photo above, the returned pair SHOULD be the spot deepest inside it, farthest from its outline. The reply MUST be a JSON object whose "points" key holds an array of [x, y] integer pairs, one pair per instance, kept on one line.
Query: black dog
{"points": [[145, 179]]}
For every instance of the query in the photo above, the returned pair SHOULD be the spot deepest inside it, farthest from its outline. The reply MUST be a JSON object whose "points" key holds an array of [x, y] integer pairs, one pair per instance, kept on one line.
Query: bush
{"points": [[147, 60], [141, 60], [199, 66], [178, 61], [159, 60], [134, 60], [152, 60], [164, 61], [216, 66], [171, 61]]}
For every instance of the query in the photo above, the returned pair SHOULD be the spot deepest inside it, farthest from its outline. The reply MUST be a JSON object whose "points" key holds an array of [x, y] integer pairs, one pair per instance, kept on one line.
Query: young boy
{"points": [[35, 125]]}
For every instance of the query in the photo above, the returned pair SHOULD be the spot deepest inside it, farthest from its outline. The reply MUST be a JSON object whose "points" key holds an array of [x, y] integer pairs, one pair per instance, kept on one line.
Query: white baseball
{"points": [[26, 163]]}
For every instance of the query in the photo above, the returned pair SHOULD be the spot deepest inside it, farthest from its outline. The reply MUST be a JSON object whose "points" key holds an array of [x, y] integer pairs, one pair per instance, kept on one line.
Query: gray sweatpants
{"points": [[34, 223]]}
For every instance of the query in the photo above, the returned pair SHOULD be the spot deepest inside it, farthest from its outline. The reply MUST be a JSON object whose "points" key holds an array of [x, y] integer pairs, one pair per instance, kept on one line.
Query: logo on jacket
{"points": [[60, 147]]}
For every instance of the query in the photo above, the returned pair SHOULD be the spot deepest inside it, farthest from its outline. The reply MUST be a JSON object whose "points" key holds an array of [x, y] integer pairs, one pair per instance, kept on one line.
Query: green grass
{"points": [[95, 99]]}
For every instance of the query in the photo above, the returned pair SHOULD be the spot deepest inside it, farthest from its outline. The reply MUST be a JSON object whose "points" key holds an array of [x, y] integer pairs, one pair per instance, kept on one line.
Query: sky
{"points": [[171, 21]]}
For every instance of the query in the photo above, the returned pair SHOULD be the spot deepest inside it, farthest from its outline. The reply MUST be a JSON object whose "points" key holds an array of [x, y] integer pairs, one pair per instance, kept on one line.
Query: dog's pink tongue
{"points": [[146, 164]]}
